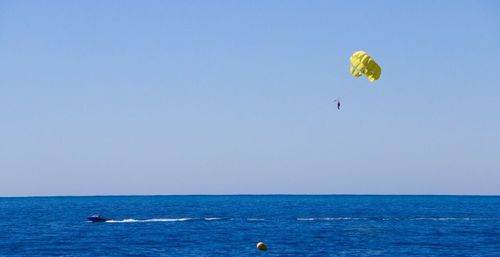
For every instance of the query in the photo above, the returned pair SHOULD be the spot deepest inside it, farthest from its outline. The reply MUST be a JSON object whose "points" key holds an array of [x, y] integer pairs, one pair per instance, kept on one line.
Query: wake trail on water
{"points": [[309, 219], [162, 220], [399, 219], [148, 220], [177, 219]]}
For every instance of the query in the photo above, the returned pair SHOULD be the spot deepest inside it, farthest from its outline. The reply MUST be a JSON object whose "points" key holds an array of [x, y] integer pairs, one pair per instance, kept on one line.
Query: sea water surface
{"points": [[290, 225]]}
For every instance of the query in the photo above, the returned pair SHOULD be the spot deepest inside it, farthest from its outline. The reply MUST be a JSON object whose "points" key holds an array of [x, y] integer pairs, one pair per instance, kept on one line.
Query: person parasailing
{"points": [[338, 103]]}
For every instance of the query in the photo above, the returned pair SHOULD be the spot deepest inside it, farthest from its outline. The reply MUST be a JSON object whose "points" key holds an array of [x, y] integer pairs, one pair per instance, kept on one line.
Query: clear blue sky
{"points": [[216, 97]]}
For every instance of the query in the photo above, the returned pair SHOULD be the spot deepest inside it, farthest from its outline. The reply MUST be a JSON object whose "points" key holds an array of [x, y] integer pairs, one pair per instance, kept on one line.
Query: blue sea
{"points": [[290, 225]]}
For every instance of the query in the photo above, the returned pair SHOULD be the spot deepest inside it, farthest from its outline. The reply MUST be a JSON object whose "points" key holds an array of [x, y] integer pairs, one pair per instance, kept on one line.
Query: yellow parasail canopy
{"points": [[363, 64]]}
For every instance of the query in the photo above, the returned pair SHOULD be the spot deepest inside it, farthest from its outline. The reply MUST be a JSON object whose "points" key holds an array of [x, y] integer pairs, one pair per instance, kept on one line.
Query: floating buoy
{"points": [[261, 246]]}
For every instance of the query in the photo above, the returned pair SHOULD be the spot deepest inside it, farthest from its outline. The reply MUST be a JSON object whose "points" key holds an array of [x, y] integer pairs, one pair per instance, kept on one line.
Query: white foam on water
{"points": [[453, 218], [331, 218], [399, 219], [213, 218], [441, 219], [308, 219], [148, 220]]}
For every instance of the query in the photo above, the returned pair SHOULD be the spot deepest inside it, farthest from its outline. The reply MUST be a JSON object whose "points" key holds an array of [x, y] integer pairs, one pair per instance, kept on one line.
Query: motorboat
{"points": [[97, 218]]}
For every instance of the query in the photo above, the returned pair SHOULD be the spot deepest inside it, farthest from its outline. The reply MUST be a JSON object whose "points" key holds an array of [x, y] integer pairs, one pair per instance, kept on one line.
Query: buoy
{"points": [[261, 246]]}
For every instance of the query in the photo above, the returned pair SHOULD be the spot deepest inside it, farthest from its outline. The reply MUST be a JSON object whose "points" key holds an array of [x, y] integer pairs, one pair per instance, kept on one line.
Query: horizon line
{"points": [[275, 194]]}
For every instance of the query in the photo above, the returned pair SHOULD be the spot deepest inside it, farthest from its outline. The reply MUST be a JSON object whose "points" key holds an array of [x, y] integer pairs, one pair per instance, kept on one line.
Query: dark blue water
{"points": [[232, 225]]}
